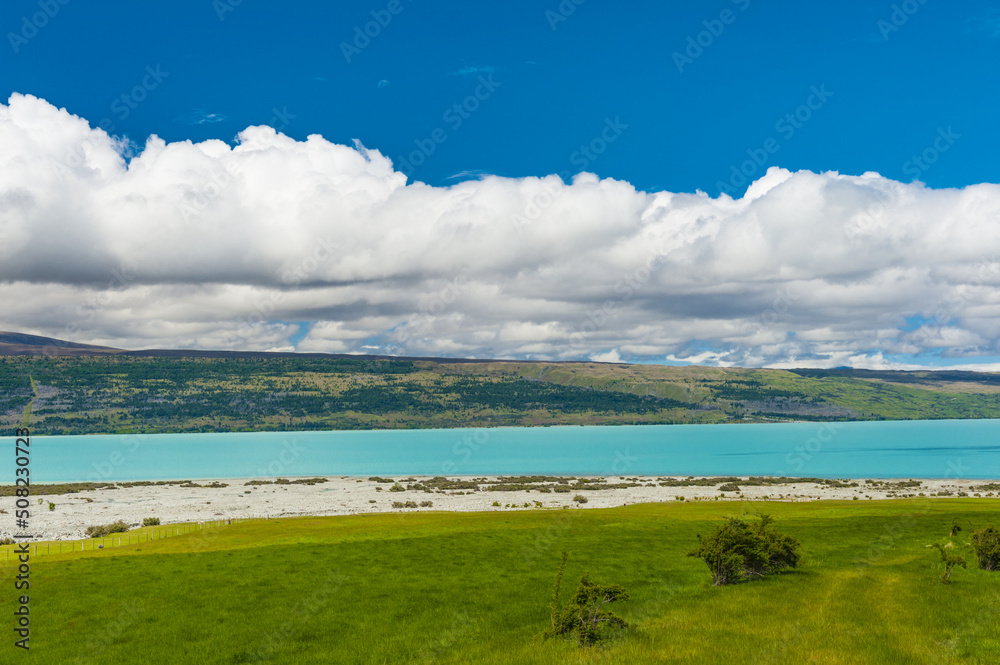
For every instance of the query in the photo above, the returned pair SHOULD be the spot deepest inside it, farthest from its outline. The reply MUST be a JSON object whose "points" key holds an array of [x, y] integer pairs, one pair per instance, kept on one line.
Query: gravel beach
{"points": [[342, 495]]}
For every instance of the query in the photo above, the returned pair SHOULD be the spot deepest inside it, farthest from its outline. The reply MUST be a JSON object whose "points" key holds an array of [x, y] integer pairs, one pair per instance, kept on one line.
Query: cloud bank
{"points": [[272, 240]]}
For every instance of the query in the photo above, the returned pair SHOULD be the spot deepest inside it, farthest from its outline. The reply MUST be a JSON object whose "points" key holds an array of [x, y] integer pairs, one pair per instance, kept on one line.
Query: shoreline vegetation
{"points": [[75, 507], [131, 394]]}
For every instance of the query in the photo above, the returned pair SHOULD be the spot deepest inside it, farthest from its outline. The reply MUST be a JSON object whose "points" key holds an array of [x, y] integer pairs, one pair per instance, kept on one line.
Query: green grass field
{"points": [[474, 588]]}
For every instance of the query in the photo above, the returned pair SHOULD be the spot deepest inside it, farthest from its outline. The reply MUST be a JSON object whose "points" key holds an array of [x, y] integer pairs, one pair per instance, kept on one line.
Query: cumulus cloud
{"points": [[214, 245]]}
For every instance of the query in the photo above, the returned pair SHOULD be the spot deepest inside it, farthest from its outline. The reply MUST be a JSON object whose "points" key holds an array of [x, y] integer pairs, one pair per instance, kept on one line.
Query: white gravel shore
{"points": [[344, 495]]}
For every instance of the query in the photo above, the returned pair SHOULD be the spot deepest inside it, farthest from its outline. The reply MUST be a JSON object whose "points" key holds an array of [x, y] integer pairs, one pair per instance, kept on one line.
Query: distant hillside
{"points": [[112, 391], [17, 344]]}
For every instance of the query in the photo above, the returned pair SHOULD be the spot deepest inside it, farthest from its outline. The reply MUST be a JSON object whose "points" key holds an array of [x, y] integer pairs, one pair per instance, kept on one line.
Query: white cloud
{"points": [[211, 245]]}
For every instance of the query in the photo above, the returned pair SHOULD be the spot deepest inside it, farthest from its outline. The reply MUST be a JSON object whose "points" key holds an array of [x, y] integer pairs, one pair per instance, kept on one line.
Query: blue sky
{"points": [[735, 182], [230, 66]]}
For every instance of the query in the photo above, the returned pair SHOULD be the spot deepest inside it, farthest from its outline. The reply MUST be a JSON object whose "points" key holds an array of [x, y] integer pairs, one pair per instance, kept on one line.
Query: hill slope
{"points": [[117, 392]]}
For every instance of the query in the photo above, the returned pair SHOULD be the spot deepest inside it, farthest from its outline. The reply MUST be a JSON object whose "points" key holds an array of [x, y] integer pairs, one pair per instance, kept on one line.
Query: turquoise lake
{"points": [[897, 449]]}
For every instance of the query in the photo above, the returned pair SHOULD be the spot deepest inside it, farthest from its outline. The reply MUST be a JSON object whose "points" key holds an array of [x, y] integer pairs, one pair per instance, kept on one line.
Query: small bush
{"points": [[986, 546], [118, 526], [729, 487], [7, 541], [397, 504], [949, 560], [151, 521], [426, 504], [579, 498], [376, 479], [740, 549], [52, 506], [371, 500], [585, 615], [397, 488]]}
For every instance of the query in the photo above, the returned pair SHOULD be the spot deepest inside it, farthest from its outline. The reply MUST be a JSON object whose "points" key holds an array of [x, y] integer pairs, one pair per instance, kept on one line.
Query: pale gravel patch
{"points": [[344, 495]]}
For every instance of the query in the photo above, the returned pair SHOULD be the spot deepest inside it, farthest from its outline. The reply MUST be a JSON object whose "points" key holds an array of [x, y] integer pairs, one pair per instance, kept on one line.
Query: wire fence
{"points": [[9, 552]]}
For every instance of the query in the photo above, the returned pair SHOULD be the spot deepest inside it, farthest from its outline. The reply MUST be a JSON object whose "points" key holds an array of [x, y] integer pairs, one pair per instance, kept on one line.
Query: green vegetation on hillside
{"points": [[122, 394], [477, 588]]}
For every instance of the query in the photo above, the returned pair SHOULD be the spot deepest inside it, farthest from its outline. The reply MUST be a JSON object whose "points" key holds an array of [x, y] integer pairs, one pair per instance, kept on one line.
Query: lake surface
{"points": [[898, 449]]}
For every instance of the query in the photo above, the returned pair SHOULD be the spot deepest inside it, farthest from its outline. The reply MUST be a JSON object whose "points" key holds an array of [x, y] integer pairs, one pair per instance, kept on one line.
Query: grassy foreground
{"points": [[473, 588]]}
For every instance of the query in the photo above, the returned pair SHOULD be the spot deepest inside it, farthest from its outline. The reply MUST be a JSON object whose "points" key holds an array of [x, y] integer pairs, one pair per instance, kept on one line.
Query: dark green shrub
{"points": [[397, 488], [584, 616], [96, 531], [118, 526], [151, 521], [579, 498], [741, 548], [426, 504], [52, 506], [986, 546], [729, 487]]}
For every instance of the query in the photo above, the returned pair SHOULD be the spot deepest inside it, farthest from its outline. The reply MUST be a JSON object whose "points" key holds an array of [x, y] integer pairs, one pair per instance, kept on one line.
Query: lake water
{"points": [[898, 449]]}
